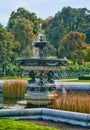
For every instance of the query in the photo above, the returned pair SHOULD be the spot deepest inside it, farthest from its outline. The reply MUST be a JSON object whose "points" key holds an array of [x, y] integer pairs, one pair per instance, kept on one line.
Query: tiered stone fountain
{"points": [[40, 91], [41, 86]]}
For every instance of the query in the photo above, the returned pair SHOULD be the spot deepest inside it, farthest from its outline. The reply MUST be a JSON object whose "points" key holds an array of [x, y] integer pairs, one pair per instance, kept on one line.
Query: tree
{"points": [[73, 46], [23, 32], [87, 28], [24, 26], [8, 48], [1, 26], [66, 20], [49, 51], [23, 13], [87, 56]]}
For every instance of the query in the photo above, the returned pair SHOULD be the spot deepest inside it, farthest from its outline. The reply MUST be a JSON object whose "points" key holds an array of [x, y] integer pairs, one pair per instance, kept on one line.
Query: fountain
{"points": [[41, 89]]}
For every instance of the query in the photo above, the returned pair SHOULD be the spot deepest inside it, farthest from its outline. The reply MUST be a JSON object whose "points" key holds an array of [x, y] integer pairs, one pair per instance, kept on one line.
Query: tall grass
{"points": [[77, 102], [14, 89]]}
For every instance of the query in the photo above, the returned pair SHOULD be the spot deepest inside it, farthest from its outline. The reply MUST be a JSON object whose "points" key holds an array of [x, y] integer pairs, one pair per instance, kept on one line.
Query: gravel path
{"points": [[63, 126]]}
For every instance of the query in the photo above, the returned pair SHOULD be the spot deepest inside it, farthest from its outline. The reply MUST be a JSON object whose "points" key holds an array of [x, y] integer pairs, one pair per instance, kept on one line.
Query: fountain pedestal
{"points": [[37, 95]]}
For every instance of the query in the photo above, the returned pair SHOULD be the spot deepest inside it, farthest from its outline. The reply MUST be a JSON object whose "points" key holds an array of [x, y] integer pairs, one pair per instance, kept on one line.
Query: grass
{"points": [[73, 80], [14, 77], [79, 81], [76, 102], [14, 89], [10, 124]]}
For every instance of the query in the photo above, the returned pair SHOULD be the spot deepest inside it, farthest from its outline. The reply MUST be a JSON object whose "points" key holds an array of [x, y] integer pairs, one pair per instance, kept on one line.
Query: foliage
{"points": [[23, 13], [1, 26], [13, 70], [49, 51], [73, 46], [77, 102], [87, 54], [77, 67], [23, 32], [68, 33], [66, 20], [10, 124], [9, 48], [74, 70], [85, 77], [24, 26]]}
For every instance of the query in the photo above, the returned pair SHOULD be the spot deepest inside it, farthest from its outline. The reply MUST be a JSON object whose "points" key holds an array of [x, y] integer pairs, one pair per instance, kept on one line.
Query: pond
{"points": [[70, 95]]}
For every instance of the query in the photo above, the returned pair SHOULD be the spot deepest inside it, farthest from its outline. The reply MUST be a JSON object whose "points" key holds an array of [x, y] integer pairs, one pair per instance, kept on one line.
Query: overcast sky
{"points": [[42, 8]]}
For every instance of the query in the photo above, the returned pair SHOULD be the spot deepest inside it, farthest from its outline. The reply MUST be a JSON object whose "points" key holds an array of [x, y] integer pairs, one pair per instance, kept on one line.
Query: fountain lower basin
{"points": [[60, 85], [37, 95], [48, 114], [72, 86]]}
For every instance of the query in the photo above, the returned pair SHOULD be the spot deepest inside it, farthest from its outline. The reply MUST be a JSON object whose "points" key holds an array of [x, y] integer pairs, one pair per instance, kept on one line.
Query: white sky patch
{"points": [[42, 8], [3, 19]]}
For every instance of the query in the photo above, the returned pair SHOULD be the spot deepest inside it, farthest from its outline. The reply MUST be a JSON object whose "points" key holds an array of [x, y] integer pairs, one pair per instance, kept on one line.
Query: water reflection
{"points": [[9, 101], [83, 97]]}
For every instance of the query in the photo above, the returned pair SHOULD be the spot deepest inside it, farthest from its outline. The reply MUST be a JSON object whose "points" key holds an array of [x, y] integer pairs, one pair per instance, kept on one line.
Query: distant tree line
{"points": [[68, 33]]}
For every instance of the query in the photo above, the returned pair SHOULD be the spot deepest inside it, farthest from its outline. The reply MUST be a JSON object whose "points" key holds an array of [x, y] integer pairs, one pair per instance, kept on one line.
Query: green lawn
{"points": [[10, 124], [27, 78], [73, 80]]}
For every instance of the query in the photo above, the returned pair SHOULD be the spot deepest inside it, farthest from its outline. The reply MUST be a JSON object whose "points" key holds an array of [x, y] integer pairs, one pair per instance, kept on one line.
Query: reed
{"points": [[77, 102], [14, 89]]}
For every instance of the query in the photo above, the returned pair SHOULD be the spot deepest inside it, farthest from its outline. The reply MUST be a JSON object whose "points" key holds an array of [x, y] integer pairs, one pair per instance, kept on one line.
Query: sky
{"points": [[42, 8]]}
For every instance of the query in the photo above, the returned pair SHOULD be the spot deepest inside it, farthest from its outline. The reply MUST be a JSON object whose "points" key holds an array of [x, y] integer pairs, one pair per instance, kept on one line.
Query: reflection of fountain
{"points": [[41, 87]]}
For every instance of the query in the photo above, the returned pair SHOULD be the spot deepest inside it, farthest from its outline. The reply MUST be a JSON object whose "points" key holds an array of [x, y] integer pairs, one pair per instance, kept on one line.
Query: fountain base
{"points": [[40, 95]]}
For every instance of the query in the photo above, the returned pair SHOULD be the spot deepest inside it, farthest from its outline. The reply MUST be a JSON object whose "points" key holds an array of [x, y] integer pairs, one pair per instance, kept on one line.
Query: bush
{"points": [[15, 70], [84, 77]]}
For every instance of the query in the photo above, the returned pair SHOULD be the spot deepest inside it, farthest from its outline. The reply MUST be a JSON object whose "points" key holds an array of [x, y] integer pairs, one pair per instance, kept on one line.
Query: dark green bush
{"points": [[84, 77]]}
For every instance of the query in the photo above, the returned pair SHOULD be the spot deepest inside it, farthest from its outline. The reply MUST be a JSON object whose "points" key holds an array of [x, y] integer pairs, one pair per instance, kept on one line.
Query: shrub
{"points": [[84, 77]]}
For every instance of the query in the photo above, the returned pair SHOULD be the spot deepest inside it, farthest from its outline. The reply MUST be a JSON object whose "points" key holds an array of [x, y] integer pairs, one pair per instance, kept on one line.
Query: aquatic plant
{"points": [[14, 89], [76, 101]]}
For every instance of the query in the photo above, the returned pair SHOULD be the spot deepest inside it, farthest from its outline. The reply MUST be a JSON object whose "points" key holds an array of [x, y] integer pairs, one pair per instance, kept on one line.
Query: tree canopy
{"points": [[23, 32], [73, 46], [24, 26], [23, 13], [66, 20], [9, 48], [68, 33]]}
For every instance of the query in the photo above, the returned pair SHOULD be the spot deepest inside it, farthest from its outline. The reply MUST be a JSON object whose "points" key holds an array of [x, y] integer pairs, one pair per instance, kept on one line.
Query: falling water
{"points": [[35, 52]]}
